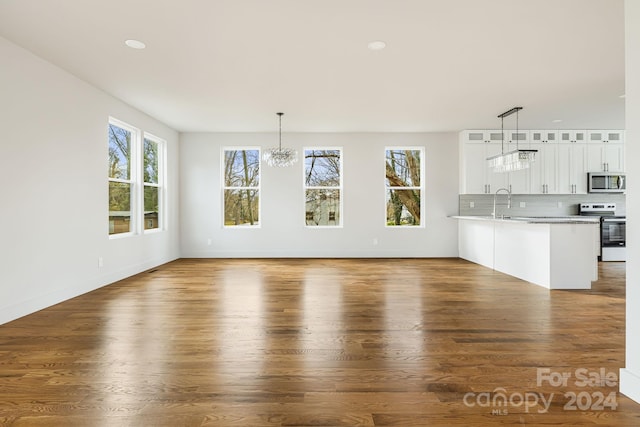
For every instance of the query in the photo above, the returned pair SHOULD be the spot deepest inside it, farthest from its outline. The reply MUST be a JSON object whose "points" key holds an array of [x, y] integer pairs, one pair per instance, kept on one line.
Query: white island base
{"points": [[555, 255]]}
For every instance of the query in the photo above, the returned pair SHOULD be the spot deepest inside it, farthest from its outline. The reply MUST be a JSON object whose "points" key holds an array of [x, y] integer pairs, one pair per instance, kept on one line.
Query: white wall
{"points": [[53, 184], [283, 234], [630, 376]]}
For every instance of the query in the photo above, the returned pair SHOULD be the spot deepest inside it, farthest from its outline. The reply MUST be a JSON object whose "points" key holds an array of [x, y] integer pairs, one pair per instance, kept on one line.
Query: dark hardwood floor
{"points": [[321, 342]]}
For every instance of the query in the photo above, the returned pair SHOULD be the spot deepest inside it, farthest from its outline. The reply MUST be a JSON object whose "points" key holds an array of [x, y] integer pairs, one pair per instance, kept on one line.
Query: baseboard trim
{"points": [[31, 305]]}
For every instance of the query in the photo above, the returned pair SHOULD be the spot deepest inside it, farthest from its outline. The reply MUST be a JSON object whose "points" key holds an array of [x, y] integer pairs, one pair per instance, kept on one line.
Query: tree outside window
{"points": [[120, 179], [323, 187], [404, 187], [151, 179], [241, 199]]}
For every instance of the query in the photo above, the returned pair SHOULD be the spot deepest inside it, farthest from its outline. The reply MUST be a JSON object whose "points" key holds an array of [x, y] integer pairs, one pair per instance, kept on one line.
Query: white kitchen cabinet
{"points": [[606, 157], [606, 136], [543, 136], [518, 182], [544, 170], [572, 168], [572, 136], [477, 177], [516, 138], [564, 157], [482, 136], [606, 151]]}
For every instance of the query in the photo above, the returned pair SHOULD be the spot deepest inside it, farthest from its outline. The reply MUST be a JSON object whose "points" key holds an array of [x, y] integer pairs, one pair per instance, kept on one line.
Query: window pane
{"points": [[322, 168], [151, 211], [241, 168], [241, 207], [403, 168], [119, 207], [119, 153], [403, 207], [150, 154], [322, 207]]}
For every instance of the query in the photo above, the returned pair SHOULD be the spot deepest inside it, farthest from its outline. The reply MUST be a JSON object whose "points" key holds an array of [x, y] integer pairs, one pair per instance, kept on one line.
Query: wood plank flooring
{"points": [[319, 342]]}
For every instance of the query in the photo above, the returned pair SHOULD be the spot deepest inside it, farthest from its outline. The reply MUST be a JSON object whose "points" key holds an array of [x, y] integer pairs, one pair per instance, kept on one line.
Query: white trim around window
{"points": [[401, 189], [127, 164], [240, 178], [323, 189]]}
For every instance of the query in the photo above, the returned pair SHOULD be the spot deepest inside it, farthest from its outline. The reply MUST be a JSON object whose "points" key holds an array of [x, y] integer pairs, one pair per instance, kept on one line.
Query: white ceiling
{"points": [[230, 65]]}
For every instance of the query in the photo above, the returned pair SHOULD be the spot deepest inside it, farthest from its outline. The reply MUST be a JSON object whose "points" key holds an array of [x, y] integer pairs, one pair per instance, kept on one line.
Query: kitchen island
{"points": [[556, 253]]}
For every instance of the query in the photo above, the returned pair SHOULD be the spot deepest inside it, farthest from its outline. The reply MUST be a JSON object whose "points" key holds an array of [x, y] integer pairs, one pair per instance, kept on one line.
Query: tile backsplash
{"points": [[535, 204]]}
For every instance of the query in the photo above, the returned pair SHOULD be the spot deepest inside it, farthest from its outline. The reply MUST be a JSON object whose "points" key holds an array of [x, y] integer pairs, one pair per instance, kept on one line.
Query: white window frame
{"points": [[340, 188], [134, 178], [225, 188], [421, 187], [160, 185]]}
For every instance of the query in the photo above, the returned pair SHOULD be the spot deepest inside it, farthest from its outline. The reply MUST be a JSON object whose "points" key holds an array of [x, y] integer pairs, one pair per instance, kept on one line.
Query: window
{"points": [[241, 188], [136, 174], [323, 187], [152, 150], [404, 186], [121, 182]]}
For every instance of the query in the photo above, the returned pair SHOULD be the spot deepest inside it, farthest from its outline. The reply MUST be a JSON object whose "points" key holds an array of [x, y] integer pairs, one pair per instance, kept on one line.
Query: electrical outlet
{"points": [[559, 204], [375, 241], [472, 204], [523, 204]]}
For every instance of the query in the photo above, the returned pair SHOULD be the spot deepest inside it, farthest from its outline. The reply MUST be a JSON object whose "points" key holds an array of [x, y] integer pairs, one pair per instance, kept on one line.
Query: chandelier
{"points": [[513, 160], [278, 156]]}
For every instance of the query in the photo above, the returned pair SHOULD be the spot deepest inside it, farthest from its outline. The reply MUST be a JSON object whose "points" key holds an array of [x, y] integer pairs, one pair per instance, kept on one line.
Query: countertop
{"points": [[535, 219]]}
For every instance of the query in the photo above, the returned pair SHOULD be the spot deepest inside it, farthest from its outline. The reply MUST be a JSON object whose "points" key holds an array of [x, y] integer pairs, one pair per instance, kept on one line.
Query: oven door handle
{"points": [[614, 219]]}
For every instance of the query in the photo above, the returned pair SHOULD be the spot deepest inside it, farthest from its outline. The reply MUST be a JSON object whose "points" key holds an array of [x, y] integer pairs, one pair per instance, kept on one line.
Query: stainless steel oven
{"points": [[613, 238], [613, 230]]}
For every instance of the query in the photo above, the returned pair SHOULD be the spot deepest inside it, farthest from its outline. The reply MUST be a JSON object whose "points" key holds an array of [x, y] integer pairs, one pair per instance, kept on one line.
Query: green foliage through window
{"points": [[120, 186]]}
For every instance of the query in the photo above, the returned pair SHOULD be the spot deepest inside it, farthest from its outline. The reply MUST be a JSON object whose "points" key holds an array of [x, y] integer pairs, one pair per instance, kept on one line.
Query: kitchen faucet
{"points": [[508, 200]]}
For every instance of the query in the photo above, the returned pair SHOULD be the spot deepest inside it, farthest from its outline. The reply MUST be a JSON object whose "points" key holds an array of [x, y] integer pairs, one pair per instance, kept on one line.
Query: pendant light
{"points": [[278, 156], [513, 160]]}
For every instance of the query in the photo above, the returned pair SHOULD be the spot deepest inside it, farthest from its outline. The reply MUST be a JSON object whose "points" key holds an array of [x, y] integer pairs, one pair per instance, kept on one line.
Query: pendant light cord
{"points": [[517, 130], [502, 134], [280, 131]]}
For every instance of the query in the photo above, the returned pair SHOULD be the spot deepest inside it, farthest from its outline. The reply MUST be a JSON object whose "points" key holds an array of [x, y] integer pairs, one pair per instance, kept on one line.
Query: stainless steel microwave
{"points": [[606, 182]]}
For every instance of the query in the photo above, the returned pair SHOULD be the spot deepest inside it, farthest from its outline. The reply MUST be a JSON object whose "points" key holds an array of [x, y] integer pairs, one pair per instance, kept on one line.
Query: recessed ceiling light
{"points": [[135, 44], [376, 45], [556, 120]]}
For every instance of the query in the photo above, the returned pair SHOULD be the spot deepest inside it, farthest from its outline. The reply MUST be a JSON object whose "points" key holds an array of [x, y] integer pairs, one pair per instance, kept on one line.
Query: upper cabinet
{"points": [[482, 136], [543, 136], [606, 136], [476, 177], [606, 151], [572, 136], [563, 160], [519, 137]]}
